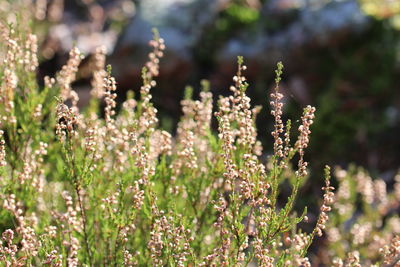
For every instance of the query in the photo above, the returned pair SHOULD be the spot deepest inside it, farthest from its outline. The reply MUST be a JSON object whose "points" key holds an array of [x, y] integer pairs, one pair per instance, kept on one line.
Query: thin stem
{"points": [[77, 190], [83, 215], [116, 245]]}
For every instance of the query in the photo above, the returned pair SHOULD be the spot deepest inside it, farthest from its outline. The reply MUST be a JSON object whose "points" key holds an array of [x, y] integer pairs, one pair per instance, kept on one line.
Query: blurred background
{"points": [[342, 56]]}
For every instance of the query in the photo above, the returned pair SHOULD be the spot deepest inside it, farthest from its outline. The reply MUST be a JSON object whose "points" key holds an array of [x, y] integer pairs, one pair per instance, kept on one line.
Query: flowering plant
{"points": [[81, 190]]}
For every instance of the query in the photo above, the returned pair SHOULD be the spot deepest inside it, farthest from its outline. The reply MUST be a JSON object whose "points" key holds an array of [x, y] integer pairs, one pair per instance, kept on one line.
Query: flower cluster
{"points": [[66, 122], [304, 138], [148, 117], [326, 206], [99, 73], [8, 253], [67, 75], [276, 111], [2, 150], [109, 87]]}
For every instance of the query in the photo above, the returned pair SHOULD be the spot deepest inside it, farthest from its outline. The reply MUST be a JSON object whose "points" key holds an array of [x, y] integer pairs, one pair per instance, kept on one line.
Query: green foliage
{"points": [[80, 190]]}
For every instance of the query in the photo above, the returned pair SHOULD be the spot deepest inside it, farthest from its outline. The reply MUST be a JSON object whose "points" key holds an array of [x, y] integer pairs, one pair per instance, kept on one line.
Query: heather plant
{"points": [[365, 225], [101, 187]]}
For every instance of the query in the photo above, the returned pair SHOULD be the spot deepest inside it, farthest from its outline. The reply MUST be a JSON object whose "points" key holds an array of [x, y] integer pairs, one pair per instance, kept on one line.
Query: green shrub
{"points": [[78, 189]]}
